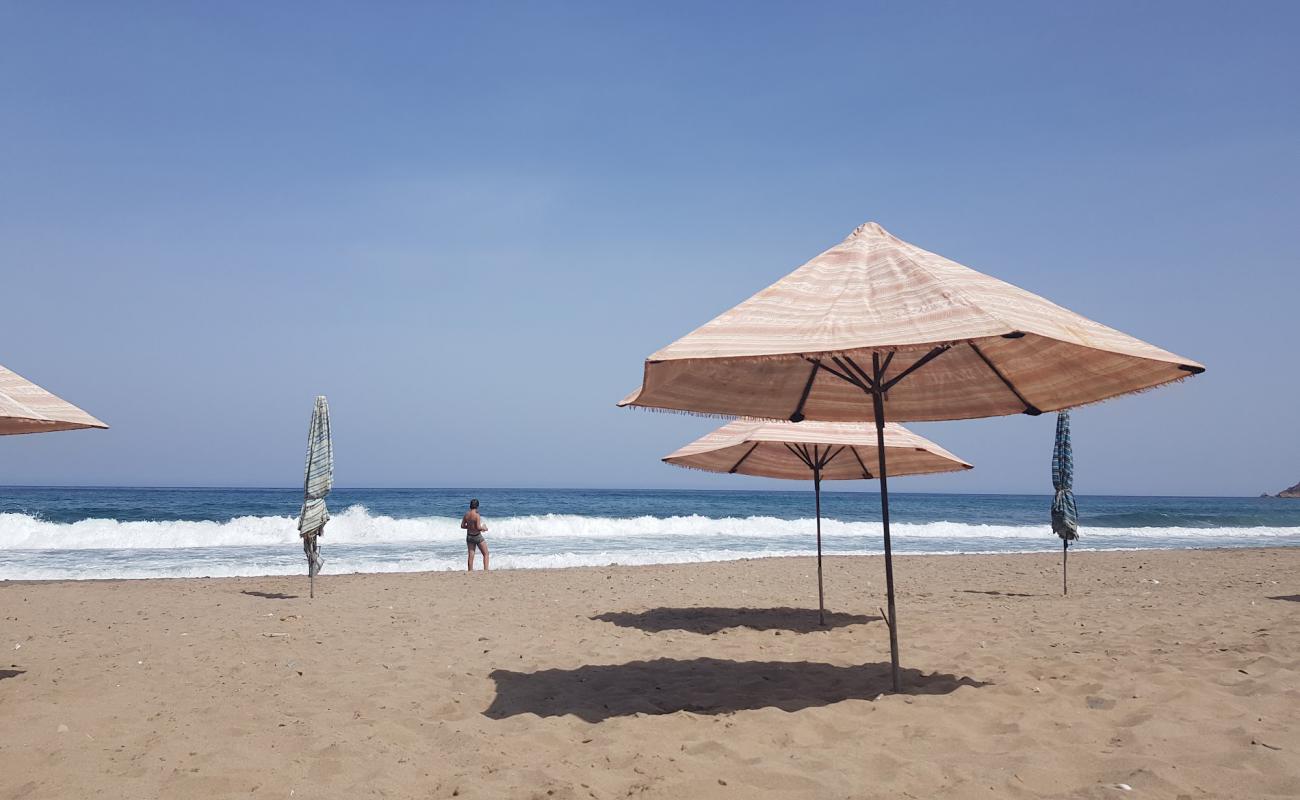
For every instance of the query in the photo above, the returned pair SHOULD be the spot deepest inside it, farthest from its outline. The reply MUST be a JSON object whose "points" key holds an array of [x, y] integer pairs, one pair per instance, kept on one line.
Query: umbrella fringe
{"points": [[701, 414], [1129, 393]]}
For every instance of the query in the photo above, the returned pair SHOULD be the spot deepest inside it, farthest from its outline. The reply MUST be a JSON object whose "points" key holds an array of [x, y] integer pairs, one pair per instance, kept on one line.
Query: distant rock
{"points": [[1294, 491]]}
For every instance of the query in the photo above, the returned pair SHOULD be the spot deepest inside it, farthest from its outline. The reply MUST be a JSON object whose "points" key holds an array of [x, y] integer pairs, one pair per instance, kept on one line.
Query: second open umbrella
{"points": [[816, 450]]}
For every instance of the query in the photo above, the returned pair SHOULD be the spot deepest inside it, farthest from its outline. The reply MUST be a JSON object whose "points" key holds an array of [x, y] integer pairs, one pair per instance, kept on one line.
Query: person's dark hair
{"points": [[473, 503]]}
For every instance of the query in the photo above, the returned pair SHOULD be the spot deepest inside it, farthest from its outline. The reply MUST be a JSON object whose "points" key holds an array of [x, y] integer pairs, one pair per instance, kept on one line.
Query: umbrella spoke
{"points": [[747, 454], [866, 473], [797, 416], [799, 455], [831, 457], [885, 366], [862, 373], [1030, 408], [921, 362], [847, 376]]}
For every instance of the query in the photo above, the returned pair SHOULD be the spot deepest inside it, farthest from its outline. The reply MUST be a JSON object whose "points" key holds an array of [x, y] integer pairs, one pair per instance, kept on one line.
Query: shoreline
{"points": [[1173, 672], [1075, 551]]}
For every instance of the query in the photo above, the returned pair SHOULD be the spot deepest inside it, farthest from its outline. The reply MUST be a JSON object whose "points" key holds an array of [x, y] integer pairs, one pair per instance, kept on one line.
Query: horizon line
{"points": [[198, 487]]}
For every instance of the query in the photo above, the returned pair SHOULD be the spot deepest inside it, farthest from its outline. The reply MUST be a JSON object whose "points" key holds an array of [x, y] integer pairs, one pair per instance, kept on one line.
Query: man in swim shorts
{"points": [[474, 528]]}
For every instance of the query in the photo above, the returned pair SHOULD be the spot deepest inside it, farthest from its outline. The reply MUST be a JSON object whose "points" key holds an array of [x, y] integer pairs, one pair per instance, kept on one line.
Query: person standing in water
{"points": [[474, 529]]}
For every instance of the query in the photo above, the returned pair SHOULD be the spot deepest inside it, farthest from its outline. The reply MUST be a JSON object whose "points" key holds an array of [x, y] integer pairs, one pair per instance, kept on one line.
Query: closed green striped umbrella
{"points": [[319, 481], [1065, 516]]}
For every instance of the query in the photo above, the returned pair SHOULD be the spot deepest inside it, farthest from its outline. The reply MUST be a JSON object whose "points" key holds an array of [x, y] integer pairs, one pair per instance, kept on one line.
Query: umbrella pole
{"points": [[1065, 572], [821, 595], [878, 403]]}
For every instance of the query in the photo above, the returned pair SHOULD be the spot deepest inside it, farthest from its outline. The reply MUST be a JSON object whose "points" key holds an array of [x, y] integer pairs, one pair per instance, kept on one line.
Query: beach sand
{"points": [[1176, 674]]}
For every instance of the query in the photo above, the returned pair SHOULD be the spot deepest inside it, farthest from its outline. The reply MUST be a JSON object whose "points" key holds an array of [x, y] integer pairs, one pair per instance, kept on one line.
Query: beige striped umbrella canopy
{"points": [[876, 327], [845, 451], [803, 347], [816, 450], [27, 408]]}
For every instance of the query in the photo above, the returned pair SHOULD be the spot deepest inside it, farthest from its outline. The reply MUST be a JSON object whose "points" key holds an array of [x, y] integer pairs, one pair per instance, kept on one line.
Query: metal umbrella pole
{"points": [[816, 460], [878, 403], [310, 542], [817, 493], [875, 385], [1065, 572]]}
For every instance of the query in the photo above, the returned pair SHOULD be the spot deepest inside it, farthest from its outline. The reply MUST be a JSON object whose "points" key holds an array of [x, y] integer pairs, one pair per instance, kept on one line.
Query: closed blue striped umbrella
{"points": [[1065, 515], [319, 481]]}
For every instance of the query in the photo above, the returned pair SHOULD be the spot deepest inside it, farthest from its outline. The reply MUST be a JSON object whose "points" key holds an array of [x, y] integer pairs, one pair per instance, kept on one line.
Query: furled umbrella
{"points": [[817, 450], [1065, 516], [319, 481], [27, 408], [876, 327]]}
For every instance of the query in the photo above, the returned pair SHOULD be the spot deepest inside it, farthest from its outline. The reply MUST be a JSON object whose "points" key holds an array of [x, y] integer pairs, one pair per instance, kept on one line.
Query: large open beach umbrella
{"points": [[27, 408], [817, 450], [875, 327], [319, 481], [1065, 516]]}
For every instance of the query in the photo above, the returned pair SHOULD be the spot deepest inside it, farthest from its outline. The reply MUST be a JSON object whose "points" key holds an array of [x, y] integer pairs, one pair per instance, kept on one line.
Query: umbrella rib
{"points": [[921, 362], [797, 416], [1030, 408], [884, 366], [798, 455], [846, 376], [862, 373], [831, 457], [866, 473], [732, 471]]}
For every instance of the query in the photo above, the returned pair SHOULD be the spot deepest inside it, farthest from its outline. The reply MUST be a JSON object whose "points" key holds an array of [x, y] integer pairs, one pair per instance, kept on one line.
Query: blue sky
{"points": [[467, 224]]}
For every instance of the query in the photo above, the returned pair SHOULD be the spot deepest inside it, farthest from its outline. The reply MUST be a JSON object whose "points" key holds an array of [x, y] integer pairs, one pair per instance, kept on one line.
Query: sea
{"points": [[88, 533]]}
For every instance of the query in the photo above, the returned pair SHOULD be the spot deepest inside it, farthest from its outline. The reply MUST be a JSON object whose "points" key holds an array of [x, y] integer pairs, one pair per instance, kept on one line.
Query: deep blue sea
{"points": [[143, 533]]}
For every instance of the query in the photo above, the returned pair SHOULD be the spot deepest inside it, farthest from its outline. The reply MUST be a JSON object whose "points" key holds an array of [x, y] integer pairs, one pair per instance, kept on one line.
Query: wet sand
{"points": [[1176, 674]]}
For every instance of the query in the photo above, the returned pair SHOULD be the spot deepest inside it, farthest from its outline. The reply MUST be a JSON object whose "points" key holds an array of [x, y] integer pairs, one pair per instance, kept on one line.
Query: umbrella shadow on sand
{"points": [[10, 673], [271, 595], [712, 620], [1292, 598], [702, 686], [1000, 594]]}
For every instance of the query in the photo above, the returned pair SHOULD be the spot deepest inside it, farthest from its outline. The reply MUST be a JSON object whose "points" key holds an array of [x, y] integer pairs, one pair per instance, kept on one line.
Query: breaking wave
{"points": [[358, 526]]}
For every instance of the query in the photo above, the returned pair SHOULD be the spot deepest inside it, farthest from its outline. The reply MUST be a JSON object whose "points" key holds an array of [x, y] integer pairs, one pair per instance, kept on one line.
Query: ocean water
{"points": [[143, 533]]}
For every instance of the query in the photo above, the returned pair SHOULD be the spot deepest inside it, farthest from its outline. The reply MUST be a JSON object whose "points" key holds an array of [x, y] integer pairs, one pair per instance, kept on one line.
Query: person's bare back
{"points": [[472, 522], [474, 528]]}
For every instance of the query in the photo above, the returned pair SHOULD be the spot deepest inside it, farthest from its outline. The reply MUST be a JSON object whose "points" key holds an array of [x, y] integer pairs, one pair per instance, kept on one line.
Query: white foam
{"points": [[357, 526]]}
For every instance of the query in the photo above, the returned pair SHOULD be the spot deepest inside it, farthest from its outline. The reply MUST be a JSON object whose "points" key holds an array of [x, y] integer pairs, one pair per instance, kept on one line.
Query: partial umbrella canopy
{"points": [[876, 328], [27, 408], [787, 450]]}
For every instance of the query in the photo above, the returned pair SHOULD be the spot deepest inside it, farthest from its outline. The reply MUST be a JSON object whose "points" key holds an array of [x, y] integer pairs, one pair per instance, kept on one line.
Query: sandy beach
{"points": [[1174, 674]]}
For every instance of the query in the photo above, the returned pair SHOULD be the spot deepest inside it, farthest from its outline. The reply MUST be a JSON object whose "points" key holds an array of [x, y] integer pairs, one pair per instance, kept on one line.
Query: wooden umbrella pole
{"points": [[878, 402], [821, 595], [1065, 572]]}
